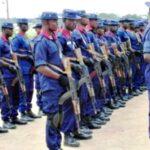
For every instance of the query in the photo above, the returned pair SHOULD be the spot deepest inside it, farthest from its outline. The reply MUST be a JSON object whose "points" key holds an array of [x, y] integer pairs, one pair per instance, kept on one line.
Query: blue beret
{"points": [[141, 23], [49, 16], [7, 25], [82, 13], [70, 14], [22, 21], [38, 25], [106, 22], [113, 23], [100, 24], [125, 20], [147, 4], [93, 17]]}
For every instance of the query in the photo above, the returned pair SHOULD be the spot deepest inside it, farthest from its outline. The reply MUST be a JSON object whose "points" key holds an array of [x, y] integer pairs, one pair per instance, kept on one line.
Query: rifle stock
{"points": [[73, 89], [85, 75]]}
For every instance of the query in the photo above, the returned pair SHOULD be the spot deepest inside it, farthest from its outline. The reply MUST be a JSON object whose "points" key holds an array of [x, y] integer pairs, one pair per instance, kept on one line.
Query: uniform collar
{"points": [[21, 33], [5, 38], [110, 33], [80, 28], [89, 28], [66, 33], [46, 34]]}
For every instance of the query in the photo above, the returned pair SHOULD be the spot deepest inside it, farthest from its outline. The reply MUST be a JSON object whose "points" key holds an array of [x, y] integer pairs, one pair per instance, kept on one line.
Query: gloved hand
{"points": [[76, 68], [29, 58], [12, 68], [89, 62], [63, 80]]}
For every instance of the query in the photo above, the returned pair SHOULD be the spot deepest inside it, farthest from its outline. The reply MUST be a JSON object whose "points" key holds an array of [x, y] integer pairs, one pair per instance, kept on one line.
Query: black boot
{"points": [[112, 105], [85, 129], [82, 136], [70, 141], [25, 117], [32, 115], [3, 130], [18, 121], [90, 123], [8, 125]]}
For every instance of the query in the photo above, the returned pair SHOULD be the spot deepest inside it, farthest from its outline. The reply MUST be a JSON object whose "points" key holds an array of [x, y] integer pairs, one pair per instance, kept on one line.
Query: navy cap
{"points": [[147, 4], [106, 22], [113, 23], [125, 20], [82, 13], [7, 25], [100, 24], [93, 16], [38, 25], [70, 14], [49, 16], [141, 23], [22, 21]]}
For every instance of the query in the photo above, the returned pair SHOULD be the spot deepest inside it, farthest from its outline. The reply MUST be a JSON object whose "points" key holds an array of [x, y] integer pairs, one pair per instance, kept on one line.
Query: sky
{"points": [[33, 8]]}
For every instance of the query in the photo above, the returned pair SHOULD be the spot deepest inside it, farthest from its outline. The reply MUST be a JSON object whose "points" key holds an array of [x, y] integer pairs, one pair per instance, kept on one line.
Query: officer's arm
{"points": [[4, 64], [147, 51], [41, 62], [46, 71], [16, 47]]}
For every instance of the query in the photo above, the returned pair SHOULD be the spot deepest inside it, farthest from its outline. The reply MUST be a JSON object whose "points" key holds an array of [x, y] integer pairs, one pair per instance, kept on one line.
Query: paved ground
{"points": [[127, 130]]}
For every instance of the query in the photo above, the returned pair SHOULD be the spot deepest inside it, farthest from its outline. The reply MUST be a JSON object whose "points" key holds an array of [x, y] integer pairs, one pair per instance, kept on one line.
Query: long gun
{"points": [[98, 69], [73, 89], [109, 68], [4, 90], [19, 74], [85, 78]]}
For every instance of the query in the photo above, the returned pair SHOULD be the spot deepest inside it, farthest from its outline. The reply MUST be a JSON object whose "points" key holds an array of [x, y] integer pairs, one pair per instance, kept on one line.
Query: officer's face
{"points": [[24, 27], [93, 23], [142, 28], [52, 25], [113, 29], [125, 25], [70, 24], [100, 31], [37, 30], [8, 32], [84, 21]]}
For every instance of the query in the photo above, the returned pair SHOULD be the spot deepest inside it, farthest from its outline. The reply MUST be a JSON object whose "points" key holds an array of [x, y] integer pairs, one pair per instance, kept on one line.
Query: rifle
{"points": [[98, 68], [18, 71], [73, 90], [4, 90], [85, 78]]}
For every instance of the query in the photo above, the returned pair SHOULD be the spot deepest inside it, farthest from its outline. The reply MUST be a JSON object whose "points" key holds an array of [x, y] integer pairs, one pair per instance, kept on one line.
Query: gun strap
{"points": [[65, 97], [81, 82], [15, 80], [56, 68]]}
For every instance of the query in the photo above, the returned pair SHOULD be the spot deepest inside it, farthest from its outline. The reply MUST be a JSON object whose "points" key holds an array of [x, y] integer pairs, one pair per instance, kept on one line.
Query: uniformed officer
{"points": [[146, 39], [37, 28], [9, 111], [122, 33], [80, 37], [22, 46], [2, 130], [136, 63], [104, 40], [68, 47], [53, 83]]}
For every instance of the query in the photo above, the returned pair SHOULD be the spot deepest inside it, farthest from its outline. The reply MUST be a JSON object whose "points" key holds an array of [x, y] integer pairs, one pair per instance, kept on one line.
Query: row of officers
{"points": [[82, 72]]}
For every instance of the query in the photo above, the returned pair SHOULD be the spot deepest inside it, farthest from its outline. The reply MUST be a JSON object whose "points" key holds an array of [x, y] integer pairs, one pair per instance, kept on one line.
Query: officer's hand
{"points": [[63, 80], [76, 68], [89, 62], [12, 68], [29, 58]]}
